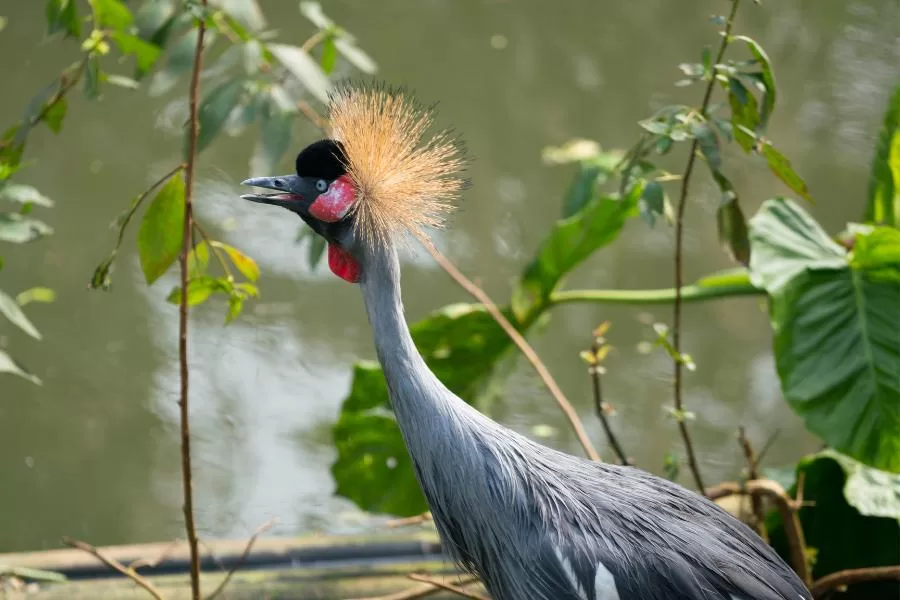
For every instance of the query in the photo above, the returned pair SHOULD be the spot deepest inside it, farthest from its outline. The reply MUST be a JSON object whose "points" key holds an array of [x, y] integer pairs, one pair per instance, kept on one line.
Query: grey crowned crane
{"points": [[531, 522]]}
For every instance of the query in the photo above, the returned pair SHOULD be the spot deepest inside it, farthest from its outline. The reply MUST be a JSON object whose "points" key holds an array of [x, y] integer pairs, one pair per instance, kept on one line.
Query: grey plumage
{"points": [[536, 523]]}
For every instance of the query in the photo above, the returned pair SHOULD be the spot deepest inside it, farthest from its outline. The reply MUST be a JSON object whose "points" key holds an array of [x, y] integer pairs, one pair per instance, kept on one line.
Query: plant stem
{"points": [[689, 293], [594, 371], [679, 253], [759, 515], [187, 478], [843, 578]]}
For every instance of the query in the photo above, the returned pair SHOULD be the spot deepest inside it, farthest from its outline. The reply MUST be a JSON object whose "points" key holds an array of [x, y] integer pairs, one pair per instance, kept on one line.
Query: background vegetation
{"points": [[832, 297]]}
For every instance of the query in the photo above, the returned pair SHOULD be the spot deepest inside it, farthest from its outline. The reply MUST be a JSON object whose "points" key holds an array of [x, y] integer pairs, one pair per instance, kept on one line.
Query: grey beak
{"points": [[288, 190]]}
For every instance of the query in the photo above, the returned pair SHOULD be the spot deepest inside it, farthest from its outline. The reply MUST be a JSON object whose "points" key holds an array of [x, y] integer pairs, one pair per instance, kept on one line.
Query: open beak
{"points": [[288, 190]]}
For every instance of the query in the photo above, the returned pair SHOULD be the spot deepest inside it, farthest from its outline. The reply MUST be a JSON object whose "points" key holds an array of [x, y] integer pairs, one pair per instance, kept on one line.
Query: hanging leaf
{"points": [[9, 308], [215, 109], [145, 53], [653, 202], [199, 290], [835, 330], [35, 294], [24, 194], [91, 81], [766, 76], [313, 12], [883, 203], [329, 55], [304, 68], [570, 242], [111, 14], [246, 12], [730, 222], [709, 144], [852, 521], [744, 114], [19, 229], [62, 15], [355, 55], [246, 265], [154, 21], [781, 167], [55, 114], [162, 230], [8, 365]]}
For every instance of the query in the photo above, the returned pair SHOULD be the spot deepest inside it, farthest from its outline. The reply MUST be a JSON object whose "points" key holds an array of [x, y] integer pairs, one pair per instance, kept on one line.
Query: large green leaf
{"points": [[836, 331], [883, 205], [462, 344], [853, 520], [570, 242], [162, 230]]}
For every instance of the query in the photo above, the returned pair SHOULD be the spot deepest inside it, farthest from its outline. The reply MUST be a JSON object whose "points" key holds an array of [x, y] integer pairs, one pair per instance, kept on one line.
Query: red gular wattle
{"points": [[343, 264], [334, 204]]}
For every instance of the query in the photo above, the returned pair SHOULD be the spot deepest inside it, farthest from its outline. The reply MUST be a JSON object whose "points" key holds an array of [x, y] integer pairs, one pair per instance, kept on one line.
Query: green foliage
{"points": [[10, 309], [883, 205], [852, 520], [215, 109], [162, 230], [835, 329], [9, 365]]}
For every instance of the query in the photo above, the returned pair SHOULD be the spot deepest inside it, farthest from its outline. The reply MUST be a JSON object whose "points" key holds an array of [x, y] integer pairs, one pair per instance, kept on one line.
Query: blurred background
{"points": [[93, 453]]}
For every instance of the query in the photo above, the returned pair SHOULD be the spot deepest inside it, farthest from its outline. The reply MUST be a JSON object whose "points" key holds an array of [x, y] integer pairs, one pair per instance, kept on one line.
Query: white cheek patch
{"points": [[333, 205]]}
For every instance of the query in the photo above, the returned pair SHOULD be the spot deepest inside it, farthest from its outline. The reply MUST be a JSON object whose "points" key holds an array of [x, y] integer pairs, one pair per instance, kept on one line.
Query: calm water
{"points": [[93, 453]]}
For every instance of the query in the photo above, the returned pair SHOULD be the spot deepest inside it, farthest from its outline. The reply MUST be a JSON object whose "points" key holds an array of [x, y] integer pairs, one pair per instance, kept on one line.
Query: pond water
{"points": [[93, 452]]}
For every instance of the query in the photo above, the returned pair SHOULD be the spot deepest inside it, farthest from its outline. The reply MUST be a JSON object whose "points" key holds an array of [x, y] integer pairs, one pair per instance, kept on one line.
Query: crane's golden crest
{"points": [[406, 181]]}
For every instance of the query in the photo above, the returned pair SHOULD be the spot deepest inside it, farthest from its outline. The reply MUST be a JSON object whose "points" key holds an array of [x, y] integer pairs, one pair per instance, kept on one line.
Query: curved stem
{"points": [[850, 576], [689, 293]]}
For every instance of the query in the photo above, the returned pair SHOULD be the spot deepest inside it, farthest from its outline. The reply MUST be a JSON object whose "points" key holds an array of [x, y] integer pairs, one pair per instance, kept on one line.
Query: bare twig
{"points": [[187, 479], [841, 579], [594, 371], [259, 531], [524, 347], [679, 253], [152, 562], [759, 517], [112, 563], [787, 507], [420, 591], [414, 520], [447, 586]]}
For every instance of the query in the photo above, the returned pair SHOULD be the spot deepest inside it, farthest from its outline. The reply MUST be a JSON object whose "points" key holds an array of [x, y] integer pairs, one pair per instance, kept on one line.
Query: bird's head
{"points": [[373, 181]]}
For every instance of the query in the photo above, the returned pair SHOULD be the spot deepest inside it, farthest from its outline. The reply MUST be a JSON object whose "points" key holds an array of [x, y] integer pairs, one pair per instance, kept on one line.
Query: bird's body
{"points": [[531, 522]]}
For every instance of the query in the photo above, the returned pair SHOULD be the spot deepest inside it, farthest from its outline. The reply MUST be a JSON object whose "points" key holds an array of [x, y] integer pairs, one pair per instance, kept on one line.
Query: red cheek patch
{"points": [[333, 205], [343, 264]]}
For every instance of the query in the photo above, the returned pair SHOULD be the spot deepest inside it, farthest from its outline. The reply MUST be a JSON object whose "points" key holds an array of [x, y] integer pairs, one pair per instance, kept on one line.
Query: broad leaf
{"points": [[653, 202], [730, 222], [8, 365], [570, 242], [836, 332], [9, 308], [853, 520], [199, 290], [162, 230], [302, 66], [112, 14], [745, 117], [24, 194], [62, 15], [215, 109], [766, 76], [55, 114], [883, 206], [19, 229], [144, 52], [781, 167], [462, 344], [246, 265]]}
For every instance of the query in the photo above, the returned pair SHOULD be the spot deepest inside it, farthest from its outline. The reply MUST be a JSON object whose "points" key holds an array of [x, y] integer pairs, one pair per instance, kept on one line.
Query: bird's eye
{"points": [[321, 185]]}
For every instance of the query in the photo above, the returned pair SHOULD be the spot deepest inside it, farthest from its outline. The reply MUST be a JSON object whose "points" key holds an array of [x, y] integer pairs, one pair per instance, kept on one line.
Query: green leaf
{"points": [[179, 61], [154, 21], [8, 365], [18, 229], [198, 260], [145, 53], [24, 194], [591, 174], [883, 203], [304, 68], [744, 114], [462, 344], [62, 15], [275, 138], [355, 55], [836, 335], [653, 202], [111, 14], [162, 230], [853, 520], [766, 76], [90, 83], [730, 222], [35, 294], [199, 290], [10, 309], [570, 242], [329, 55], [781, 167], [246, 265], [215, 109], [55, 114], [709, 144]]}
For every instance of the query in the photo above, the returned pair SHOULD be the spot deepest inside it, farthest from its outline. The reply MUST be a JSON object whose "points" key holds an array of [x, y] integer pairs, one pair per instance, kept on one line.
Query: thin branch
{"points": [[787, 507], [240, 562], [841, 579], [216, 251], [313, 41], [187, 478], [679, 260], [594, 371], [115, 565], [447, 586], [759, 517], [420, 591], [524, 347], [689, 293], [414, 520], [152, 562]]}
